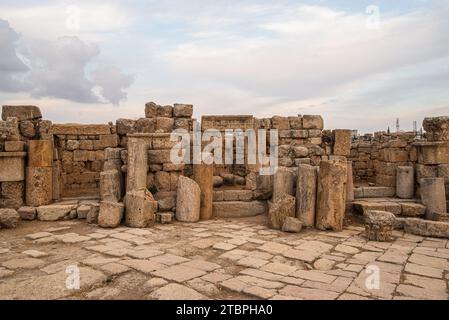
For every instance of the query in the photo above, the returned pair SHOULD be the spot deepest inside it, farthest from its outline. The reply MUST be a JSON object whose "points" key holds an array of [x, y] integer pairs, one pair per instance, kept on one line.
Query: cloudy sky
{"points": [[360, 64]]}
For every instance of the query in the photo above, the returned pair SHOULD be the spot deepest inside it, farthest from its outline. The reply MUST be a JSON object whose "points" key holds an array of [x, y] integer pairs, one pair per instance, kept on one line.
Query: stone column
{"points": [[283, 183], [306, 189], [203, 175], [405, 182], [188, 200], [39, 175], [433, 196], [349, 183], [137, 164], [331, 195]]}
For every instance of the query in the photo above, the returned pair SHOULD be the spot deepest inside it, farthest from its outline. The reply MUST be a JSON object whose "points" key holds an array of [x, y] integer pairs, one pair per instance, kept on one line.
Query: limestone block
{"points": [[300, 152], [21, 112], [12, 166], [443, 172], [409, 209], [39, 185], [237, 195], [405, 182], [162, 181], [217, 181], [145, 125], [203, 175], [342, 142], [283, 183], [331, 197], [293, 225], [110, 186], [80, 129], [159, 156], [238, 209], [182, 123], [426, 228], [165, 111], [281, 209], [350, 183], [306, 192], [110, 214], [164, 124], [379, 225], [137, 164], [280, 123], [14, 146], [106, 141], [312, 122], [40, 153], [9, 218], [167, 203], [165, 217], [151, 110], [27, 129], [125, 126], [54, 212], [423, 171], [433, 153], [433, 196], [72, 145], [139, 208], [12, 194], [188, 200], [27, 213], [92, 216], [183, 110]]}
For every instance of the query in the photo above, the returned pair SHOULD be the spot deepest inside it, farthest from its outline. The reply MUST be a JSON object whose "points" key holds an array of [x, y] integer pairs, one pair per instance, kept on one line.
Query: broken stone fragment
{"points": [[379, 225], [140, 206], [111, 214], [54, 212], [292, 225], [9, 218], [183, 110], [284, 207], [22, 113], [82, 211]]}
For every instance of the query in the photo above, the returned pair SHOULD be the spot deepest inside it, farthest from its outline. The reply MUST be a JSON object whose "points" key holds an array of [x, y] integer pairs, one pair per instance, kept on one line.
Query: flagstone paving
{"points": [[217, 259]]}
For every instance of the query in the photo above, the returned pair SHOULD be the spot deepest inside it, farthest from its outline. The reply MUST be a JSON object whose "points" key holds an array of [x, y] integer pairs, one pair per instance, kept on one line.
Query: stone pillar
{"points": [[349, 183], [405, 182], [140, 208], [306, 189], [39, 177], [137, 164], [433, 196], [331, 195], [188, 200], [283, 183], [203, 175]]}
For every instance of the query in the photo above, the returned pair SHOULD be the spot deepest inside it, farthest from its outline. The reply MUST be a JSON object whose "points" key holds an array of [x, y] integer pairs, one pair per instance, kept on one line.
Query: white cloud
{"points": [[112, 83]]}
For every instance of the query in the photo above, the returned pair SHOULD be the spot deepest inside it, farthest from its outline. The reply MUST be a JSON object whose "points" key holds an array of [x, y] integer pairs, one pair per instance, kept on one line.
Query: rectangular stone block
{"points": [[39, 185], [40, 153], [159, 156], [312, 122], [12, 166], [342, 142], [22, 113], [106, 141], [80, 129], [14, 146]]}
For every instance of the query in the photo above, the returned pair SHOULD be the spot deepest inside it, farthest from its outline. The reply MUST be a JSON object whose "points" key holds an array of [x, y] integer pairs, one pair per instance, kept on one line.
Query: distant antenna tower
{"points": [[397, 125], [415, 127]]}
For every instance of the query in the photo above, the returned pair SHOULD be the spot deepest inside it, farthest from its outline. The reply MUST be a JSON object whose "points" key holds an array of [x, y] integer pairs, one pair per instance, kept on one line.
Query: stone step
{"points": [[238, 209], [374, 192], [398, 208]]}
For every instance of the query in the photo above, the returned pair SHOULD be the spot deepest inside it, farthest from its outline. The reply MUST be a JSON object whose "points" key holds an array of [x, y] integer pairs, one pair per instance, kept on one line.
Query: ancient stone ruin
{"points": [[123, 173], [153, 208]]}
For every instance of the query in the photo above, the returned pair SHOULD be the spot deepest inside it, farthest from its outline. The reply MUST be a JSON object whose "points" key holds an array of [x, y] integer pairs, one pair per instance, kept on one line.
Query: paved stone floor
{"points": [[218, 259]]}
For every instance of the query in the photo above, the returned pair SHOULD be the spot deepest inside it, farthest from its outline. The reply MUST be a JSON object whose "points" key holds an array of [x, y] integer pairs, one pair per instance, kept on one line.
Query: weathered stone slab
{"points": [[110, 186], [293, 225], [306, 192], [183, 110], [137, 163], [54, 212], [283, 183], [14, 146], [188, 200], [342, 142], [12, 166], [40, 153], [409, 209], [427, 228], [331, 203], [238, 209], [27, 213], [111, 214], [437, 128], [22, 113], [39, 183]]}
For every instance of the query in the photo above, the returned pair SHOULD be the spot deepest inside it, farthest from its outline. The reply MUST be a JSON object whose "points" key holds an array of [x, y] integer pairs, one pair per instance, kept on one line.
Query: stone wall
{"points": [[79, 156]]}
